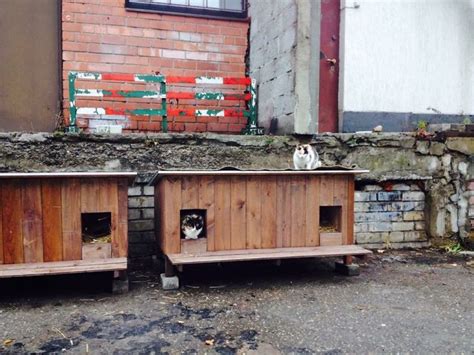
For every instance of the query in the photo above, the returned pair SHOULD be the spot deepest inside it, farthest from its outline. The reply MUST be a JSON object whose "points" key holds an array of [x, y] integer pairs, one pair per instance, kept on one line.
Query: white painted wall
{"points": [[407, 56]]}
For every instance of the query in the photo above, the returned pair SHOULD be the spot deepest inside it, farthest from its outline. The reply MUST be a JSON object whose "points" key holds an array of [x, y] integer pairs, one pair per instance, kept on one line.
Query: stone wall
{"points": [[272, 59], [411, 183]]}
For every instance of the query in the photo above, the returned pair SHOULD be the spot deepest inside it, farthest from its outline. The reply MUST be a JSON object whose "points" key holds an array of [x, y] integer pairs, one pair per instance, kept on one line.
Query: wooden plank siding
{"points": [[12, 226], [1, 227], [32, 221], [71, 217], [262, 211], [51, 200], [120, 240]]}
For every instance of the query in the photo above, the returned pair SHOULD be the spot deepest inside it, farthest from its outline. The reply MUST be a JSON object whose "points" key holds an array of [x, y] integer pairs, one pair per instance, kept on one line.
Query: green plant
{"points": [[466, 120], [453, 248], [421, 125]]}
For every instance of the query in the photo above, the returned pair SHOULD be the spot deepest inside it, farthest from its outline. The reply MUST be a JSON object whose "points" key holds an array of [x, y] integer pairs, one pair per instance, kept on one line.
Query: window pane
{"points": [[199, 3], [214, 3], [179, 2], [233, 5], [161, 1]]}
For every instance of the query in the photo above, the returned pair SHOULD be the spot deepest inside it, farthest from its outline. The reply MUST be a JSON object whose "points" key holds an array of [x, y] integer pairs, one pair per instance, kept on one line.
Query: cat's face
{"points": [[303, 149], [192, 225]]}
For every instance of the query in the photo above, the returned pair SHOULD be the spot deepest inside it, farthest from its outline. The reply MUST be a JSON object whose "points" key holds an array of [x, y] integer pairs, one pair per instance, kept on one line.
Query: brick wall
{"points": [[391, 215], [102, 36]]}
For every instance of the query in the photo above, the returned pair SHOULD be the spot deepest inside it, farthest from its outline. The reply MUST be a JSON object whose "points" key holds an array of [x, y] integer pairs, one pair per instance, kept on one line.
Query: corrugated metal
{"points": [[29, 70]]}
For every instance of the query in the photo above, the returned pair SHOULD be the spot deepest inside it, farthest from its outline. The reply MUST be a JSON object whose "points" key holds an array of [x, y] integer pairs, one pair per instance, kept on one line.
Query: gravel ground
{"points": [[403, 301]]}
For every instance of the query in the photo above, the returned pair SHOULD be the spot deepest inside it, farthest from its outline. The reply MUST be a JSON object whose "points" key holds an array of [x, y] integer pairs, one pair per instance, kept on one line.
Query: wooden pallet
{"points": [[266, 254], [62, 267]]}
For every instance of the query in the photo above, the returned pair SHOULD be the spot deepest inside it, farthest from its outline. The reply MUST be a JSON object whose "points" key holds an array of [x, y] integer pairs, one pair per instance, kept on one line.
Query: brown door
{"points": [[29, 64], [329, 66]]}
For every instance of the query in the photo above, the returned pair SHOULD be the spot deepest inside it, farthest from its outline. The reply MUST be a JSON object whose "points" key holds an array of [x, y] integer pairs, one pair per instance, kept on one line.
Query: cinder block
{"points": [[372, 188], [169, 282], [361, 196], [134, 214], [380, 227], [413, 196], [140, 202], [371, 237], [148, 213], [135, 191], [415, 236], [396, 237], [413, 216], [389, 196], [403, 226], [141, 225], [401, 187]]}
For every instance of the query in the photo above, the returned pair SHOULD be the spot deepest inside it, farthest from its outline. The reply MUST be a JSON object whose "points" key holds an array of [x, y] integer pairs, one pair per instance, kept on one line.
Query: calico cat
{"points": [[192, 225], [306, 157]]}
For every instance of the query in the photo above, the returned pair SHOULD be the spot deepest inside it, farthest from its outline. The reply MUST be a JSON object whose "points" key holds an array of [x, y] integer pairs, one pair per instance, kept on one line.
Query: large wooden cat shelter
{"points": [[59, 223], [254, 215]]}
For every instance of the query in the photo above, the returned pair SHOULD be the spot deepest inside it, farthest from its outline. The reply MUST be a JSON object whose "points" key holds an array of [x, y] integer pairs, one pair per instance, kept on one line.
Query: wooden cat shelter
{"points": [[255, 215], [60, 223]]}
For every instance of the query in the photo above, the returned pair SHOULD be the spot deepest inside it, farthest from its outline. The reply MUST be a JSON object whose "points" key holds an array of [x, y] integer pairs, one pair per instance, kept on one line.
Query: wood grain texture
{"points": [[340, 199], [89, 195], [52, 220], [120, 241], [71, 216], [267, 254], [331, 239], [159, 214], [269, 212], [206, 202], [350, 211], [96, 251], [171, 215], [222, 214], [238, 218], [193, 246], [326, 192], [283, 212], [254, 213], [190, 192], [12, 214], [32, 221], [298, 211], [1, 226], [312, 211]]}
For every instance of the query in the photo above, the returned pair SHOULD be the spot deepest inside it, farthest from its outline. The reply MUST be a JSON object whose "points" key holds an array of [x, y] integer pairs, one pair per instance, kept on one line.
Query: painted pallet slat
{"points": [[12, 228], [52, 220], [32, 222]]}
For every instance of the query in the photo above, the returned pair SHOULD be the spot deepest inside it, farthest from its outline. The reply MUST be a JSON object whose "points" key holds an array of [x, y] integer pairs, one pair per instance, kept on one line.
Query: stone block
{"points": [[149, 190], [135, 191], [414, 216], [141, 225], [420, 226], [169, 282], [360, 196], [371, 237], [148, 213], [415, 236], [408, 206], [141, 202], [413, 196], [378, 217], [400, 187], [361, 227], [396, 237], [422, 147], [437, 148], [389, 196], [134, 214], [381, 226], [372, 188], [403, 226]]}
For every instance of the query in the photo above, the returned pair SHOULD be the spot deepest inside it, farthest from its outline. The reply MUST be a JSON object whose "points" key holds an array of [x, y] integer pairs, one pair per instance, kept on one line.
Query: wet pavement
{"points": [[410, 301]]}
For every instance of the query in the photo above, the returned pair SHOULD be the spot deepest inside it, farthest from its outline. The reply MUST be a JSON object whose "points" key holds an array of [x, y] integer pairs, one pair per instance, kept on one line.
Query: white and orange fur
{"points": [[306, 158]]}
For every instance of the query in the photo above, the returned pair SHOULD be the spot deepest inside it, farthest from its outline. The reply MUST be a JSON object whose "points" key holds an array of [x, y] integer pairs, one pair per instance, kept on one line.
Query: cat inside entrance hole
{"points": [[193, 224]]}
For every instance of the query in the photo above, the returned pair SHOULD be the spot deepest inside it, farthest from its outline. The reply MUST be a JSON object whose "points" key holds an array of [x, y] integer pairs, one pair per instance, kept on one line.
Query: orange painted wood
{"points": [[312, 211], [171, 214], [269, 212], [12, 214], [71, 216], [267, 254], [32, 221], [1, 226], [190, 192], [254, 213], [52, 220], [120, 239], [326, 192], [222, 213], [206, 202], [298, 211], [283, 212], [238, 217], [350, 211]]}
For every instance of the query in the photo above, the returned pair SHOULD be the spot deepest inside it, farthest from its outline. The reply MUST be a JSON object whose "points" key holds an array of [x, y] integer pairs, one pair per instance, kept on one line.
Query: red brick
{"points": [[217, 127], [195, 127], [237, 128], [149, 126]]}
